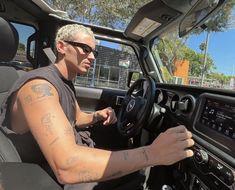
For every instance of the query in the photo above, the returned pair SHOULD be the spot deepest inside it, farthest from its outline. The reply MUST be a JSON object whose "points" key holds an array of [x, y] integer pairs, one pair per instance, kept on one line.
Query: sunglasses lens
{"points": [[95, 53], [86, 49]]}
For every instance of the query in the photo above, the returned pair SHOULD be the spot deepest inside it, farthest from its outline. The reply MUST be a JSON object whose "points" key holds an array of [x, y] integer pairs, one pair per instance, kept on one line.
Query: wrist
{"points": [[95, 117], [148, 152]]}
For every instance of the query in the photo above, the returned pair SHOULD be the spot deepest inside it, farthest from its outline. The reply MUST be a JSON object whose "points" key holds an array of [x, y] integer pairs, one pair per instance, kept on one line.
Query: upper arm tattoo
{"points": [[47, 122], [42, 90], [28, 99]]}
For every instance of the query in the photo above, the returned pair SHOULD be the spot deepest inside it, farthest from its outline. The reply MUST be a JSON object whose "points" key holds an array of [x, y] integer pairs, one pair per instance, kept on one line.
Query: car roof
{"points": [[151, 20]]}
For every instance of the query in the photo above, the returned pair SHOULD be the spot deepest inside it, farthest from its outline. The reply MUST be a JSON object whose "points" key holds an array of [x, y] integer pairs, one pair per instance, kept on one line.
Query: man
{"points": [[42, 103]]}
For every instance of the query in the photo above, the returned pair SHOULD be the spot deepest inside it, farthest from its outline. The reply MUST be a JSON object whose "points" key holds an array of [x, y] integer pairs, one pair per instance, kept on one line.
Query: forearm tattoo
{"points": [[54, 141], [145, 154], [85, 175], [125, 155]]}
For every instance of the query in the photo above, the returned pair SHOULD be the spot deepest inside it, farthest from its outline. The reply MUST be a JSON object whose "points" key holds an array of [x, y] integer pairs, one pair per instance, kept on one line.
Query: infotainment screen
{"points": [[219, 116]]}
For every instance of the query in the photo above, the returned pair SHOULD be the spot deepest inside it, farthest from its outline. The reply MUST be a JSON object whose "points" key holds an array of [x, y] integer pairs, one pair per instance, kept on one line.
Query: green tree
{"points": [[21, 47], [117, 13], [196, 64], [202, 46], [223, 19], [109, 13], [221, 78], [170, 49]]}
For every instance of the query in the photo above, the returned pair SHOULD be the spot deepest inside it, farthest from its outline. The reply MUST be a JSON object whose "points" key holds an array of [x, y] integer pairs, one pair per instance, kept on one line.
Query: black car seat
{"points": [[9, 43]]}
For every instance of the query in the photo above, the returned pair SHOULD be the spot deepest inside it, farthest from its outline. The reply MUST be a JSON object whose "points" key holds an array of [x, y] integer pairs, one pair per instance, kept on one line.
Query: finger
{"points": [[114, 115], [178, 129], [111, 121], [186, 144], [187, 153], [110, 109], [114, 119], [105, 122], [183, 136]]}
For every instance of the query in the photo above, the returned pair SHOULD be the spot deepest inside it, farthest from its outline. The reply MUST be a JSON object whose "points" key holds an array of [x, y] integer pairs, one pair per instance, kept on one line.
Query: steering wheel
{"points": [[136, 107]]}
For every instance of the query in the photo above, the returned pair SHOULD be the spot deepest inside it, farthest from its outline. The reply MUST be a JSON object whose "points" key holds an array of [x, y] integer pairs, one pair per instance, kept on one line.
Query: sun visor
{"points": [[151, 17]]}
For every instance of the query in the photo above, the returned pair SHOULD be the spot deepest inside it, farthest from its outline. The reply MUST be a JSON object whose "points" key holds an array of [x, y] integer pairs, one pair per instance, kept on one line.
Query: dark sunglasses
{"points": [[85, 47]]}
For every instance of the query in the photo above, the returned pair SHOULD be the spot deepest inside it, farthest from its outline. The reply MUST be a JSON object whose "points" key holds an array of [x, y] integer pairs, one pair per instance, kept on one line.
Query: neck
{"points": [[65, 71]]}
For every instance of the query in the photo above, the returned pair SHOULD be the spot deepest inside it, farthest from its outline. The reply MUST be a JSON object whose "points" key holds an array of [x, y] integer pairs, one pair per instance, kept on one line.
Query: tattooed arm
{"points": [[39, 102]]}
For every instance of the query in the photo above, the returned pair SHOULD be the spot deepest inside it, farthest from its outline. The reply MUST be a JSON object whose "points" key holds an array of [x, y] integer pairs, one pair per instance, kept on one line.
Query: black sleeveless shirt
{"points": [[25, 144]]}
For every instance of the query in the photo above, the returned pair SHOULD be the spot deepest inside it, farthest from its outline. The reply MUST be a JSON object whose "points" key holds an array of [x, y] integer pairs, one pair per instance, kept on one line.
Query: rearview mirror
{"points": [[198, 15]]}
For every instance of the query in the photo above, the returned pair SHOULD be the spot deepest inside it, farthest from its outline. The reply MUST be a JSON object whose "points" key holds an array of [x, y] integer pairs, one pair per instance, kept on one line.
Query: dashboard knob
{"points": [[201, 156]]}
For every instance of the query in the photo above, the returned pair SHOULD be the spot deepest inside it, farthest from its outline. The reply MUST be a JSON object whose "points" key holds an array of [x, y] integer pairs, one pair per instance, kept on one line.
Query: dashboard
{"points": [[210, 116]]}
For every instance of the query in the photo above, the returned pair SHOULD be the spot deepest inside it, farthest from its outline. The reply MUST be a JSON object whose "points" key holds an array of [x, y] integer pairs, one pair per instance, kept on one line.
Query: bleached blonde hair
{"points": [[69, 31]]}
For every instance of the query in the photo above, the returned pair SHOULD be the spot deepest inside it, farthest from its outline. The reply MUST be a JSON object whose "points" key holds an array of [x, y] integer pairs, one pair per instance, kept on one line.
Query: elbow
{"points": [[66, 176], [63, 176], [72, 167], [65, 171]]}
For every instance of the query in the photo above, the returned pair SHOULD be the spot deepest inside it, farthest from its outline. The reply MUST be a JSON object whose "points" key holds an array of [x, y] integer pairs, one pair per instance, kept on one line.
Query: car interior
{"points": [[145, 107]]}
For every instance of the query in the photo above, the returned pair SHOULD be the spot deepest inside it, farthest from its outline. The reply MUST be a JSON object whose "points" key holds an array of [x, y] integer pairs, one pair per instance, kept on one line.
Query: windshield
{"points": [[106, 13], [202, 58]]}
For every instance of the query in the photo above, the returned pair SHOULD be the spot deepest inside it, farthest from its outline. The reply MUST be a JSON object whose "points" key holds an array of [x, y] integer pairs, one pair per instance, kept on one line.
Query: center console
{"points": [[212, 167], [215, 121]]}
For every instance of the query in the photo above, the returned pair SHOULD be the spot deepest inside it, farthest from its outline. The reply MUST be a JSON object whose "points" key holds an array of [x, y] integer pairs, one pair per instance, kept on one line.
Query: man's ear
{"points": [[60, 46]]}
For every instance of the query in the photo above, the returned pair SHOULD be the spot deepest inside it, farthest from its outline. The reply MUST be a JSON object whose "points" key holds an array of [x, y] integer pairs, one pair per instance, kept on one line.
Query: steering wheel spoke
{"points": [[127, 99]]}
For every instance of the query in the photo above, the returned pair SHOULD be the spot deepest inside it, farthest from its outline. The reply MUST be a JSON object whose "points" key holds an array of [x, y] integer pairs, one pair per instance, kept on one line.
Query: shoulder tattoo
{"points": [[42, 90]]}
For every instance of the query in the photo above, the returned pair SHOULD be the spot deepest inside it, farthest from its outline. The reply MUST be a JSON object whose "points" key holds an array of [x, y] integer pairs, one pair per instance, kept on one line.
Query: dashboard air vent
{"points": [[188, 103], [174, 103]]}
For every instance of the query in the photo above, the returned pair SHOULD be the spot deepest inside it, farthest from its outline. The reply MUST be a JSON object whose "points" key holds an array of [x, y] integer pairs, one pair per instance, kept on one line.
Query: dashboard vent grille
{"points": [[189, 103]]}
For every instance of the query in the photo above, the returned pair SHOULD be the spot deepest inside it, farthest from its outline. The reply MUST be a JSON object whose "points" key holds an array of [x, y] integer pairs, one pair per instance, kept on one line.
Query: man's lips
{"points": [[87, 65]]}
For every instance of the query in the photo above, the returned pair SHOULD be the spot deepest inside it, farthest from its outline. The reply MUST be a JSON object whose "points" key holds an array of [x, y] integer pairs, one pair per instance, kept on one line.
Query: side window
{"points": [[20, 61], [111, 68]]}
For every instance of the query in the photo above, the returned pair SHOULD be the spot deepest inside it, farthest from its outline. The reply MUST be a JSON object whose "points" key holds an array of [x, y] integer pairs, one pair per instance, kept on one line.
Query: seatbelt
{"points": [[50, 54]]}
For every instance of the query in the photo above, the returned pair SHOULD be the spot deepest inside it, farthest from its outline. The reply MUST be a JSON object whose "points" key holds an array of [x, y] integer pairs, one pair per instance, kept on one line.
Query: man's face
{"points": [[79, 53]]}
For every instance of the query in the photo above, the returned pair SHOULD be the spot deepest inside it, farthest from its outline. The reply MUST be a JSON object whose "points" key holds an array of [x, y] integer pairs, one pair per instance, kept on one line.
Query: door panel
{"points": [[91, 99]]}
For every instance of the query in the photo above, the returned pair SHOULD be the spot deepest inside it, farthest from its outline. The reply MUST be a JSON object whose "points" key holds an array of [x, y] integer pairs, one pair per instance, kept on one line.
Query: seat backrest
{"points": [[8, 75], [9, 40]]}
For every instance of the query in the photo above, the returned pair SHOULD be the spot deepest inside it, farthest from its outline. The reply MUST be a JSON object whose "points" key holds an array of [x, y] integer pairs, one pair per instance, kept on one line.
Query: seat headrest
{"points": [[9, 40]]}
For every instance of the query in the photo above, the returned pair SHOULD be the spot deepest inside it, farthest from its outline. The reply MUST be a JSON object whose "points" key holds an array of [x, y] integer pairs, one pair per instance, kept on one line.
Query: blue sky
{"points": [[221, 48], [24, 32]]}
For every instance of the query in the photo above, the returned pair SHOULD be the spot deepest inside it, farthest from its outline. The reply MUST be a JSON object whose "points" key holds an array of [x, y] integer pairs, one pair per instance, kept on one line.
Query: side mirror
{"points": [[133, 76]]}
